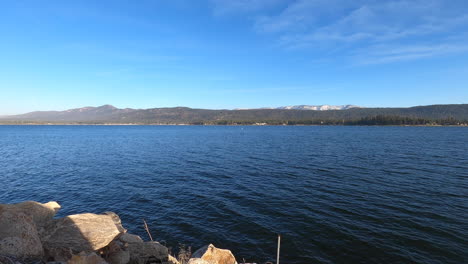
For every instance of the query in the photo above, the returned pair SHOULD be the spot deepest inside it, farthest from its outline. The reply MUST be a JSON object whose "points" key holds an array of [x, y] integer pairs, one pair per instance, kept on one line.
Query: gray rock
{"points": [[9, 260], [117, 221], [130, 238], [145, 252], [81, 232], [42, 214], [117, 253], [214, 255], [18, 234], [121, 257], [59, 254]]}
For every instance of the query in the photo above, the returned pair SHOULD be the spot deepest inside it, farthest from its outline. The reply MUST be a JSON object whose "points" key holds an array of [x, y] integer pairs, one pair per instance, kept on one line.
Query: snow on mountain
{"points": [[319, 107]]}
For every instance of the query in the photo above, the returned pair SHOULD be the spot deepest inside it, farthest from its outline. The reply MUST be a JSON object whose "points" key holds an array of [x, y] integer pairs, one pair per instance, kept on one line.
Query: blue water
{"points": [[336, 194]]}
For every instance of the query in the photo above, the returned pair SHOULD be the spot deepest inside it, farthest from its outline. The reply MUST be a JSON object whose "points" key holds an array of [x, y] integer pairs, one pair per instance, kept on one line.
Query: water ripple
{"points": [[336, 194]]}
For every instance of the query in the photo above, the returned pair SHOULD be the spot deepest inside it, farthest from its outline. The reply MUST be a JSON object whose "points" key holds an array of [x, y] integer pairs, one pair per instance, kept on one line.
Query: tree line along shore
{"points": [[379, 120]]}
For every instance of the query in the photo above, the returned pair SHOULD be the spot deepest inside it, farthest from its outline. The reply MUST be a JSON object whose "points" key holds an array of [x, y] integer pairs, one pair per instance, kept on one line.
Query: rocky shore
{"points": [[29, 233]]}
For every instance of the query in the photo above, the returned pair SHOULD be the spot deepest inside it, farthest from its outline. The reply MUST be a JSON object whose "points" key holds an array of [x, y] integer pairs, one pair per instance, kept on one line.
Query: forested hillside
{"points": [[419, 115]]}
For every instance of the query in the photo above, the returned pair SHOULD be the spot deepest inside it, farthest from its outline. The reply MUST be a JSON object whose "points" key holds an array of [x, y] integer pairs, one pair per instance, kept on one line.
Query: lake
{"points": [[336, 194]]}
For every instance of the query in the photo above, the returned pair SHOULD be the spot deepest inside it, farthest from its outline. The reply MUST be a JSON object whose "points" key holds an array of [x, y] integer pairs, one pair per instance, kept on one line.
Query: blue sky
{"points": [[56, 55]]}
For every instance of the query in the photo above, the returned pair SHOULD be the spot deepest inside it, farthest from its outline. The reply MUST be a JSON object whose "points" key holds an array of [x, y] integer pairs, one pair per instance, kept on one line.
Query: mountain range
{"points": [[282, 115]]}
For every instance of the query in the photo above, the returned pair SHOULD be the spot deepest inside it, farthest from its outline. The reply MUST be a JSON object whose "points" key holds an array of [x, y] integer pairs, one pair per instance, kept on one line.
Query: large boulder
{"points": [[145, 252], [41, 214], [214, 255], [130, 238], [116, 253], [81, 232], [18, 233]]}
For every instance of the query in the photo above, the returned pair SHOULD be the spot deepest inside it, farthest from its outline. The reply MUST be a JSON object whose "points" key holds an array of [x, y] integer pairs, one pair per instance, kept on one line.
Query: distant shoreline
{"points": [[432, 115], [120, 124]]}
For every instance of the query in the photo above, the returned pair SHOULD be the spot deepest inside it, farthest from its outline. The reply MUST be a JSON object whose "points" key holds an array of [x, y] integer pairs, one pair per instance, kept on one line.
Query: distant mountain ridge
{"points": [[77, 114], [284, 115]]}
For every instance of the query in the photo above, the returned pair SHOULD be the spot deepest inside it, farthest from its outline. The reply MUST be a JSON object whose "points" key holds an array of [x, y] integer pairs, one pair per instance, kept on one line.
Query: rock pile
{"points": [[30, 234]]}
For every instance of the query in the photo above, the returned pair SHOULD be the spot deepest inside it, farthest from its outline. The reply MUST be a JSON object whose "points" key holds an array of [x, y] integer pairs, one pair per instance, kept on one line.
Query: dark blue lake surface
{"points": [[336, 194]]}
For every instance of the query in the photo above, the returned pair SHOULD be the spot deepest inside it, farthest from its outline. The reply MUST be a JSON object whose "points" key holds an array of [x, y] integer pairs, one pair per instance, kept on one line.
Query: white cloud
{"points": [[348, 26]]}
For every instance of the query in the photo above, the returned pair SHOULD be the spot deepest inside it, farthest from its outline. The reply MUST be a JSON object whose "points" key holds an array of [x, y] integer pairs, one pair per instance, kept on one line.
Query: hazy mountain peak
{"points": [[107, 106], [92, 108]]}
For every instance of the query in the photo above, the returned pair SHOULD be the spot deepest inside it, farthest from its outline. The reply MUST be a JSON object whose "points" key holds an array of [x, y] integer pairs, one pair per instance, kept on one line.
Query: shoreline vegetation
{"points": [[369, 121], [29, 234]]}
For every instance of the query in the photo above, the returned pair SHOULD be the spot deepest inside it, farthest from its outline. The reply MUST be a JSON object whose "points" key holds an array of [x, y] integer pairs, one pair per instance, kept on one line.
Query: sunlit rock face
{"points": [[198, 261], [19, 225], [212, 255], [81, 232], [172, 260], [18, 235]]}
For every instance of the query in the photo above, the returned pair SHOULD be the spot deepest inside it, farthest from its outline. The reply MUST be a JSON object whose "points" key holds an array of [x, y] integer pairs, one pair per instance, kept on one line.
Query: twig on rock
{"points": [[147, 230]]}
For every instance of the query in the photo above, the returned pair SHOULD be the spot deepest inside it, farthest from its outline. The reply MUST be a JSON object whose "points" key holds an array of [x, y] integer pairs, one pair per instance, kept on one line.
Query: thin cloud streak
{"points": [[386, 54], [344, 27]]}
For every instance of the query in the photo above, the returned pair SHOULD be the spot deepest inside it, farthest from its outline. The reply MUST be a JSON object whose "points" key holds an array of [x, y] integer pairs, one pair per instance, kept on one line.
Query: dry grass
{"points": [[184, 254]]}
